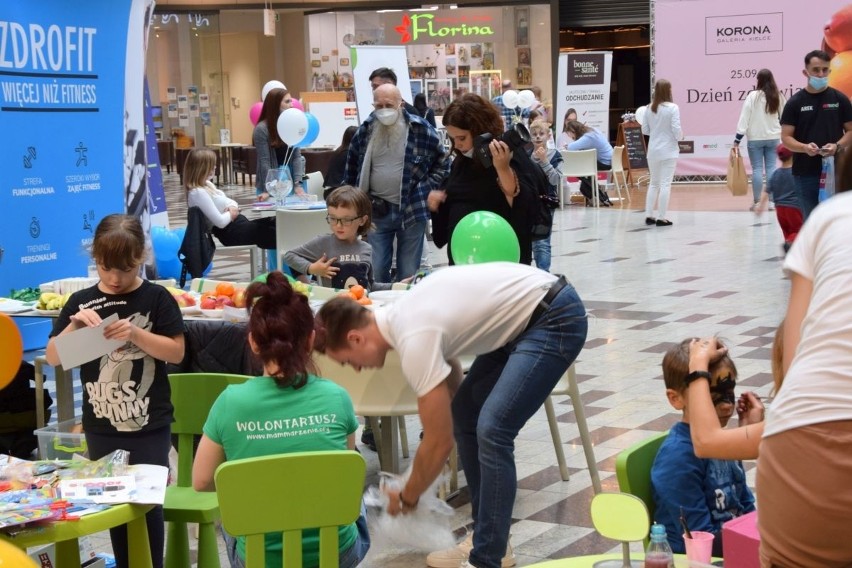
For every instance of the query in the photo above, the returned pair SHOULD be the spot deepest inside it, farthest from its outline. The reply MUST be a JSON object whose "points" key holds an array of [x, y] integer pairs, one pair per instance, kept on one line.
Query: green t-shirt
{"points": [[259, 418]]}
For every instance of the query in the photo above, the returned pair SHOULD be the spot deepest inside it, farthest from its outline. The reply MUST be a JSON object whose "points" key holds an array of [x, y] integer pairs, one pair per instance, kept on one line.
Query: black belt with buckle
{"points": [[544, 304]]}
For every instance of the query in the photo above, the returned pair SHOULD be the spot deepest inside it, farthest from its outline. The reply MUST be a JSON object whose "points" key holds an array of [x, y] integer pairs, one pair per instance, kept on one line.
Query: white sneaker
{"points": [[456, 557]]}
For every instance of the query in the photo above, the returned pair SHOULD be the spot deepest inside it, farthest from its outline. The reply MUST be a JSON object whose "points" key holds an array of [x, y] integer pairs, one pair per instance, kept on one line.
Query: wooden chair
{"points": [[166, 151], [192, 396], [287, 494]]}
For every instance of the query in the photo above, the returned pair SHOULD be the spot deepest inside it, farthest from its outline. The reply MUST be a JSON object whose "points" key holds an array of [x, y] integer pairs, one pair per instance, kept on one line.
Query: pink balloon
{"points": [[254, 113], [296, 103]]}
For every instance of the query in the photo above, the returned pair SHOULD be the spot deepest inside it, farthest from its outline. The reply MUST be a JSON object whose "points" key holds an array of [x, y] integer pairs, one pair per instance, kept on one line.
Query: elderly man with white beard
{"points": [[396, 158]]}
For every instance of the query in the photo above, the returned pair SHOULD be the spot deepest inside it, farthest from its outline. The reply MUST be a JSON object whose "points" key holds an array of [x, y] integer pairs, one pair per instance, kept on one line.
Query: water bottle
{"points": [[659, 554]]}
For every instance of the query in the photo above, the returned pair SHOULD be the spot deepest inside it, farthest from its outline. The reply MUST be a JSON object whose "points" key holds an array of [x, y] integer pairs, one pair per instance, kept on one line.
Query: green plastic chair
{"points": [[633, 470], [192, 396], [288, 493], [622, 517]]}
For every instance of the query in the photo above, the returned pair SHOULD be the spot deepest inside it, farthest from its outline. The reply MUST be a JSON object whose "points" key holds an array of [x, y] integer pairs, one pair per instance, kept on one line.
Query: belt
{"points": [[544, 304]]}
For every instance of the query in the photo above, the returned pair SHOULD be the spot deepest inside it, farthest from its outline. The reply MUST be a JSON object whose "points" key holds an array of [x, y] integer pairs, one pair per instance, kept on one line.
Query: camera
{"points": [[514, 138]]}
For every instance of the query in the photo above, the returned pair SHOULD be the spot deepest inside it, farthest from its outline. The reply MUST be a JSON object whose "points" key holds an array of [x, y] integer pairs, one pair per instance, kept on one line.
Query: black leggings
{"points": [[242, 231], [146, 447], [586, 184]]}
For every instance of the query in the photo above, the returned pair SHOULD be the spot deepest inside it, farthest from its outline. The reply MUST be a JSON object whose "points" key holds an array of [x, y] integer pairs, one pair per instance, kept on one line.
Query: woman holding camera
{"points": [[474, 185]]}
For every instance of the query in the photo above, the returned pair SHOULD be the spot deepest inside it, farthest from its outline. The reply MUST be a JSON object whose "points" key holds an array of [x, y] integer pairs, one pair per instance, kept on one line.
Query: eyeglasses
{"points": [[342, 221]]}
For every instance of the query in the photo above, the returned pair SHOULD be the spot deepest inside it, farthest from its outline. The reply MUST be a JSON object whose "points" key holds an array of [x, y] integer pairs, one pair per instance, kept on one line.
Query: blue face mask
{"points": [[817, 83]]}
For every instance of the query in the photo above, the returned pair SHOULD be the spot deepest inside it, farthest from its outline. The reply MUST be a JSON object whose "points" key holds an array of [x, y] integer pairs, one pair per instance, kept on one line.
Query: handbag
{"points": [[737, 180]]}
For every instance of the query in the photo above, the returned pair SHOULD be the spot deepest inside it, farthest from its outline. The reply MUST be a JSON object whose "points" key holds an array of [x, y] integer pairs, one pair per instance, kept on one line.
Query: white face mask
{"points": [[468, 153], [387, 116]]}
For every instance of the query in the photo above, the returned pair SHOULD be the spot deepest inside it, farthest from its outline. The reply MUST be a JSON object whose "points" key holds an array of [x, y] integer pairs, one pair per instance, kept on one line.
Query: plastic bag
{"points": [[826, 178], [425, 529]]}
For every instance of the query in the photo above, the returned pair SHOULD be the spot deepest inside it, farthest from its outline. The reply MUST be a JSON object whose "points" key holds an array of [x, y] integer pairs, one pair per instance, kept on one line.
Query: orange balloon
{"points": [[11, 352], [12, 557]]}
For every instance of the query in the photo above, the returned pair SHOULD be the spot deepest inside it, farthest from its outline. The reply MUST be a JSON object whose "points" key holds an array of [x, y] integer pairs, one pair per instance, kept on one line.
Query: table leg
{"points": [[227, 163], [68, 553], [138, 547], [64, 393], [389, 445]]}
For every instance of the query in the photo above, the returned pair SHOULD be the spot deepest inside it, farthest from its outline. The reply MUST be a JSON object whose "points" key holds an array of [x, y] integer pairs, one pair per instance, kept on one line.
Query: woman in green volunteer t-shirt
{"points": [[286, 410]]}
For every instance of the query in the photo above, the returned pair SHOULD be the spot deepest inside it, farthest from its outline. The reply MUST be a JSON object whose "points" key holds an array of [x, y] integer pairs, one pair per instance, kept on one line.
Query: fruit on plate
{"points": [[224, 289], [208, 303], [52, 300], [359, 294], [239, 297], [184, 299]]}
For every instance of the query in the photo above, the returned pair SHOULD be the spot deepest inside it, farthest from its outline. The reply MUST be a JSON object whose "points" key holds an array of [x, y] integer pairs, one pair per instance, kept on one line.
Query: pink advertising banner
{"points": [[711, 51]]}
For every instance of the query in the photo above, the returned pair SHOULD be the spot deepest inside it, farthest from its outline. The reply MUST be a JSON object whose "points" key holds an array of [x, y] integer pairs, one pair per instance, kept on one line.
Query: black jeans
{"points": [[586, 184], [146, 447], [242, 231]]}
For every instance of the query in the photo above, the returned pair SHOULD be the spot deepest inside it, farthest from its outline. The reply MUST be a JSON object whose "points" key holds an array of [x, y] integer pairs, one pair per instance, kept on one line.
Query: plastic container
{"points": [[61, 441], [659, 553]]}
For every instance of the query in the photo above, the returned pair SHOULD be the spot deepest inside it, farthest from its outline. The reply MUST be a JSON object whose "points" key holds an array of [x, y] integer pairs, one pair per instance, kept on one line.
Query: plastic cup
{"points": [[699, 548]]}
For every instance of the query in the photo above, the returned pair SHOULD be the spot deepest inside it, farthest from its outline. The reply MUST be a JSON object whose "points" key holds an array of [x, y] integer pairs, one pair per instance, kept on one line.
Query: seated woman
{"points": [[229, 225], [281, 335], [585, 138]]}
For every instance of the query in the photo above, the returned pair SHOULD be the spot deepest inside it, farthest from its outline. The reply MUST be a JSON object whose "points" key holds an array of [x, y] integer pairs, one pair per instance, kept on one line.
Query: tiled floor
{"points": [[717, 270]]}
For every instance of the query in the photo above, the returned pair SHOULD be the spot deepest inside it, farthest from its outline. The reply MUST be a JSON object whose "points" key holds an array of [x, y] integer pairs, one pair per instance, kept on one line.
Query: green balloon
{"points": [[483, 236]]}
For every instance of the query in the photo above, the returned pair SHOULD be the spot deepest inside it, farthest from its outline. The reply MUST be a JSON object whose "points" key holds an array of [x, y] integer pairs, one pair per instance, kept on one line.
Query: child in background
{"points": [[126, 395], [340, 259], [782, 189], [708, 491], [550, 162], [279, 316]]}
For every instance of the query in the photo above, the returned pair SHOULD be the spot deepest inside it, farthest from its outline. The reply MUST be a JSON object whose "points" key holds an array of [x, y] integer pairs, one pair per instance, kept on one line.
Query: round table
{"points": [[65, 535]]}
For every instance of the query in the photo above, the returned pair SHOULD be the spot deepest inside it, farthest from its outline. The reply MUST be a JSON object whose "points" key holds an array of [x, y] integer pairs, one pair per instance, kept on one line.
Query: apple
{"points": [[187, 299], [240, 298], [838, 30], [223, 301], [208, 303]]}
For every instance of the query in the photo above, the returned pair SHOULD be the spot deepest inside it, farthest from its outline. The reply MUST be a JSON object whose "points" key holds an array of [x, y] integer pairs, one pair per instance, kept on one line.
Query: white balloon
{"points": [[269, 86], [640, 114], [526, 98], [292, 126], [510, 98]]}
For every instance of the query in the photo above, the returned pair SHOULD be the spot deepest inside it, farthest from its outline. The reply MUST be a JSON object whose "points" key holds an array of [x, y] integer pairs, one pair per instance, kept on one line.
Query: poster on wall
{"points": [[62, 114], [365, 59], [583, 83], [729, 45]]}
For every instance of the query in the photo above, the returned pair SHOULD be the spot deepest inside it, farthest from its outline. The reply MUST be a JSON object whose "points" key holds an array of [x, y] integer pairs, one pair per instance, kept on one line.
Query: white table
{"points": [[227, 159]]}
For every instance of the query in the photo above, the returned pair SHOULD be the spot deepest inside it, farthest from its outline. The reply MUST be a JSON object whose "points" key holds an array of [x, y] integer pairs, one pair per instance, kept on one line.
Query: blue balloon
{"points": [[169, 268], [312, 133], [166, 244]]}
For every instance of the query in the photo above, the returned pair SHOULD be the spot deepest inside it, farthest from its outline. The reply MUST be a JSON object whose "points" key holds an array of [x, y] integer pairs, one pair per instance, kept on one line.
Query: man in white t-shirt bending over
{"points": [[525, 327]]}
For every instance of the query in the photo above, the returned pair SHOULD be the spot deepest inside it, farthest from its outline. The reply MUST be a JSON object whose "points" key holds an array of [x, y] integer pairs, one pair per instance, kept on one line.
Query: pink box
{"points": [[740, 542]]}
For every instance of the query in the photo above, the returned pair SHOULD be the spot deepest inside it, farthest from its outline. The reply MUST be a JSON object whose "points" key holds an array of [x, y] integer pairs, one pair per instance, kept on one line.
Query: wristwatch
{"points": [[697, 375]]}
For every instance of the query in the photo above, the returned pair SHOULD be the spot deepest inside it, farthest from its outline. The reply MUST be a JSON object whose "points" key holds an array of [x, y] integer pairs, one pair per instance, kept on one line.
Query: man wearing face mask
{"points": [[396, 158], [816, 122]]}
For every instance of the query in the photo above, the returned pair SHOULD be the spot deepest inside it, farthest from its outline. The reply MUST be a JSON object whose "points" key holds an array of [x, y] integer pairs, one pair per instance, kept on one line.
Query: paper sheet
{"points": [[86, 344]]}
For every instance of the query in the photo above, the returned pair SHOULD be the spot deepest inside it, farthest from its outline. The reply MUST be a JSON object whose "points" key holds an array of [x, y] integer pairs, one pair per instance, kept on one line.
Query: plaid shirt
{"points": [[508, 114], [426, 165]]}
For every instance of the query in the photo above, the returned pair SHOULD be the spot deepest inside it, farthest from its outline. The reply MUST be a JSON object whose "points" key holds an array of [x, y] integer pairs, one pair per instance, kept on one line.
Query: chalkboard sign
{"points": [[634, 142]]}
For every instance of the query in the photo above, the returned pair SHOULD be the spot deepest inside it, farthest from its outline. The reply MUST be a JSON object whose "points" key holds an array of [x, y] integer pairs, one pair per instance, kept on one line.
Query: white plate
{"points": [[387, 296], [212, 313], [190, 310], [10, 306], [47, 312]]}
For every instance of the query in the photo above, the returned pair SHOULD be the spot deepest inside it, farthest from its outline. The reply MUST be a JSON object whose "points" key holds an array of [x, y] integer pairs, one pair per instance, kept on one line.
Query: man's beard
{"points": [[388, 136]]}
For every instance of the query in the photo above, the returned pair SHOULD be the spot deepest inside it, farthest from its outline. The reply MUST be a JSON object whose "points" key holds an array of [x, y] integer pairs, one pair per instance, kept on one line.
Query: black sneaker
{"points": [[368, 439]]}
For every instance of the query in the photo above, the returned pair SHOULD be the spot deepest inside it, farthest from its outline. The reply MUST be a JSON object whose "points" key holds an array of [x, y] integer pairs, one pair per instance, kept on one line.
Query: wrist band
{"points": [[697, 375]]}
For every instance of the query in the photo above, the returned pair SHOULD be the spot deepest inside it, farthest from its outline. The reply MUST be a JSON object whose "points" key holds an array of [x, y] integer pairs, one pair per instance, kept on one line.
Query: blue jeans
{"points": [[409, 245], [761, 153], [502, 390], [807, 188], [349, 558], [541, 253]]}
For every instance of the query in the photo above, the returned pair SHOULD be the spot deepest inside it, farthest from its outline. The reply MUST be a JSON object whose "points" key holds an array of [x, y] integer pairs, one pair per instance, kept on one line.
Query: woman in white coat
{"points": [[760, 121], [662, 124]]}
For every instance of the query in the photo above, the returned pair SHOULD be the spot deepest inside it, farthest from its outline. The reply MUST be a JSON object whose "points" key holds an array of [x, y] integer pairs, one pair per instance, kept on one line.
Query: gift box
{"points": [[741, 541]]}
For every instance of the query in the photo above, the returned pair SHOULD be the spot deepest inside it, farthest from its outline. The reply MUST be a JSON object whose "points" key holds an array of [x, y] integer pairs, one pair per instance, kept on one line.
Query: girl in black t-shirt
{"points": [[126, 395]]}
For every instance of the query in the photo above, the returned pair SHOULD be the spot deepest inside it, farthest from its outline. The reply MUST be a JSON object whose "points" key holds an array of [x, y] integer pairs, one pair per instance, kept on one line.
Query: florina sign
{"points": [[425, 27]]}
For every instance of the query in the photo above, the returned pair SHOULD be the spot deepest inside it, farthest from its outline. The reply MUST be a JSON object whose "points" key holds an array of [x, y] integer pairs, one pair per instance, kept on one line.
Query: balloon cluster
{"points": [[296, 127], [166, 244], [524, 100]]}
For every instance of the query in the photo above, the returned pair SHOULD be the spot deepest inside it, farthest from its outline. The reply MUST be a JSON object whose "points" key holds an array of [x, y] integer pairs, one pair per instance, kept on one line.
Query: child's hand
{"points": [[703, 351], [540, 154], [86, 318], [122, 330], [323, 267], [750, 409]]}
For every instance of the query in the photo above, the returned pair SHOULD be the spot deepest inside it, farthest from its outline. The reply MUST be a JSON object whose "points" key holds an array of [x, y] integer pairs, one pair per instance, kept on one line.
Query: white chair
{"points": [[382, 393], [618, 169], [257, 259], [314, 184], [294, 227], [581, 163]]}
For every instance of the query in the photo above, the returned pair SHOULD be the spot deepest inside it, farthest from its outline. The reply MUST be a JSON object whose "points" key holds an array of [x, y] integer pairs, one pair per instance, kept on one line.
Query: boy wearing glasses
{"points": [[340, 259], [708, 491]]}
